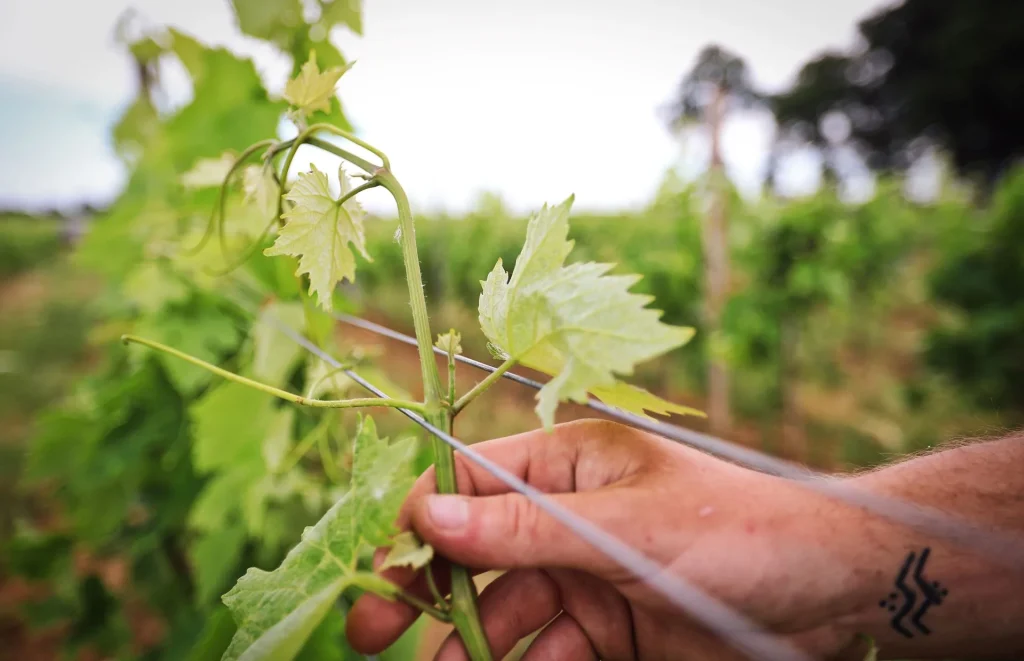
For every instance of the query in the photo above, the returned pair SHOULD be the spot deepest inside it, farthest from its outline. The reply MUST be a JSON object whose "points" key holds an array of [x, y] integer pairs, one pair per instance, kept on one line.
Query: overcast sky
{"points": [[534, 99]]}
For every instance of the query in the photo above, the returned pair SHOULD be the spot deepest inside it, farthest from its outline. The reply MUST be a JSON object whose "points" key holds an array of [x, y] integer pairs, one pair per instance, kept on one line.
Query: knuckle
{"points": [[522, 518], [590, 431]]}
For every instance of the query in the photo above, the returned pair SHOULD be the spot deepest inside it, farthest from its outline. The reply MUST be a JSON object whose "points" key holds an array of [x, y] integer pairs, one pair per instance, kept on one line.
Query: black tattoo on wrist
{"points": [[916, 593]]}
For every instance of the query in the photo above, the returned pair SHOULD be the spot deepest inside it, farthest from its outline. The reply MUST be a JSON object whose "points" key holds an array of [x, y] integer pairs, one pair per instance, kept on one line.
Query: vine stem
{"points": [[363, 402], [432, 611], [218, 209], [465, 614], [483, 385]]}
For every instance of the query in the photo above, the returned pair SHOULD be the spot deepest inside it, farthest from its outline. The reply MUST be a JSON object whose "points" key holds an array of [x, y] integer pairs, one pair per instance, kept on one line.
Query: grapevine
{"points": [[575, 322]]}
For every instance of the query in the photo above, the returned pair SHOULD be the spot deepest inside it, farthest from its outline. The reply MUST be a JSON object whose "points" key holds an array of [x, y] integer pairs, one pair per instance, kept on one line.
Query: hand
{"points": [[762, 545]]}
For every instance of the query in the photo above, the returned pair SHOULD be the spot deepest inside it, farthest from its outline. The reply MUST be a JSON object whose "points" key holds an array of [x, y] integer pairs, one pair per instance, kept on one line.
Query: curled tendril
{"points": [[244, 256], [216, 221]]}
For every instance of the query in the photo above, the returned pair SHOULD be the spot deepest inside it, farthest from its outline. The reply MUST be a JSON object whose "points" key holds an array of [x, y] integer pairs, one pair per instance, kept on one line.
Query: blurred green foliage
{"points": [[983, 281], [907, 318], [875, 365], [147, 487], [27, 241]]}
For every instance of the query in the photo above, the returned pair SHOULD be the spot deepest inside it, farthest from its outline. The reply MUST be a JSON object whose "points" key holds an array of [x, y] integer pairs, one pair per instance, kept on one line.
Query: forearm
{"points": [[921, 596]]}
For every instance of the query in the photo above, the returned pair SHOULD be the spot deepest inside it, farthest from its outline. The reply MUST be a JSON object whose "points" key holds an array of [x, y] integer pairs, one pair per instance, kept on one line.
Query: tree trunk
{"points": [[716, 273]]}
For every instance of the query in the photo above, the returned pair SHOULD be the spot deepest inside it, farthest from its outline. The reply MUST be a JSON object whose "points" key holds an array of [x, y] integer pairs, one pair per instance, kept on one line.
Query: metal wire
{"points": [[1005, 548], [741, 455], [736, 629]]}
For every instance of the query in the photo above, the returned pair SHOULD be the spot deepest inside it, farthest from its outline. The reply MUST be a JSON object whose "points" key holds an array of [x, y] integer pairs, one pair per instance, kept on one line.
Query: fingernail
{"points": [[448, 511]]}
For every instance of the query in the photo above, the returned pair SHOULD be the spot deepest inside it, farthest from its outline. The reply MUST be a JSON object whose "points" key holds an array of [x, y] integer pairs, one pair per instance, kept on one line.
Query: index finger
{"points": [[576, 456]]}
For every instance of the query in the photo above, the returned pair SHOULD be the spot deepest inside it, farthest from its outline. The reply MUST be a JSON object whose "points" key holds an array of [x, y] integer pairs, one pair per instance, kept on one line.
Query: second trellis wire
{"points": [[1005, 548]]}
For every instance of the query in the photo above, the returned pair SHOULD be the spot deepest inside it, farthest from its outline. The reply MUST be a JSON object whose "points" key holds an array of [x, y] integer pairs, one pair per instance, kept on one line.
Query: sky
{"points": [[533, 100]]}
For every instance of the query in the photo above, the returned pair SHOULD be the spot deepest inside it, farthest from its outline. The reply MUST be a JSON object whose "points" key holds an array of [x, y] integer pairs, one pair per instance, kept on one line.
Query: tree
{"points": [[718, 83], [930, 74]]}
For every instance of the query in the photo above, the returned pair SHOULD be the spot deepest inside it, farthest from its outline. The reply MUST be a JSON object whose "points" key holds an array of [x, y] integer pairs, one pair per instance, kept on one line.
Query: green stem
{"points": [[465, 614], [432, 586], [218, 208], [451, 380], [343, 153], [316, 384], [465, 611], [222, 198], [479, 388], [416, 602], [342, 133], [417, 301], [244, 256], [372, 183], [364, 402]]}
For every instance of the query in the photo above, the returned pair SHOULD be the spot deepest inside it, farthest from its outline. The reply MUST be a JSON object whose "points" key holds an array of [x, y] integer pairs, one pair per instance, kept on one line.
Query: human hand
{"points": [[761, 545]]}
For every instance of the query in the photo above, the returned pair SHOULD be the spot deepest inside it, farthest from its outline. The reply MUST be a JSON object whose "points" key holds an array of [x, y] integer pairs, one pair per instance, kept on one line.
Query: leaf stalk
{"points": [[362, 402]]}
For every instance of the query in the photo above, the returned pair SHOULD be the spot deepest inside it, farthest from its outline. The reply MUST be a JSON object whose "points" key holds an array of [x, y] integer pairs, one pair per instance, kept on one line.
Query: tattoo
{"points": [[931, 594]]}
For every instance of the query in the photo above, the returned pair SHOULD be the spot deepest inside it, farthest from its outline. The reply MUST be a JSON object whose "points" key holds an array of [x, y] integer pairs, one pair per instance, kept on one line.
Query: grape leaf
{"points": [[214, 555], [273, 20], [151, 288], [201, 330], [632, 398], [277, 611], [346, 12], [230, 423], [261, 190], [327, 642], [219, 499], [312, 90], [278, 441], [318, 230], [408, 551], [450, 342], [273, 357], [576, 322], [322, 382], [208, 172]]}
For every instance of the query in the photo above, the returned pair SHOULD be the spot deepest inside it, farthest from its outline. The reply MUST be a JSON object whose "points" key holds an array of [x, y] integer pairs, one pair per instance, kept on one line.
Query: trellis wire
{"points": [[1004, 548], [716, 446], [733, 627], [1008, 549]]}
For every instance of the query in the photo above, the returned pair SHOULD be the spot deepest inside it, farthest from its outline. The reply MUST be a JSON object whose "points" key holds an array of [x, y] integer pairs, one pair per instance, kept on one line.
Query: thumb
{"points": [[509, 530]]}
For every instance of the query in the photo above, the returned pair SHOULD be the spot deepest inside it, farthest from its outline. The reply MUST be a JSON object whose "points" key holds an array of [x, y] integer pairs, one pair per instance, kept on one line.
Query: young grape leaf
{"points": [[201, 330], [318, 230], [208, 172], [151, 288], [634, 399], [278, 441], [214, 555], [261, 190], [450, 342], [272, 20], [576, 322], [312, 89], [230, 422], [408, 551], [322, 382], [273, 359], [345, 12], [277, 611], [219, 499]]}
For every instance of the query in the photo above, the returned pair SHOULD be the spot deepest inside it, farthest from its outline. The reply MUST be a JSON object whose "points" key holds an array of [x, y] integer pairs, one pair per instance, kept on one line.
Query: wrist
{"points": [[916, 595]]}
